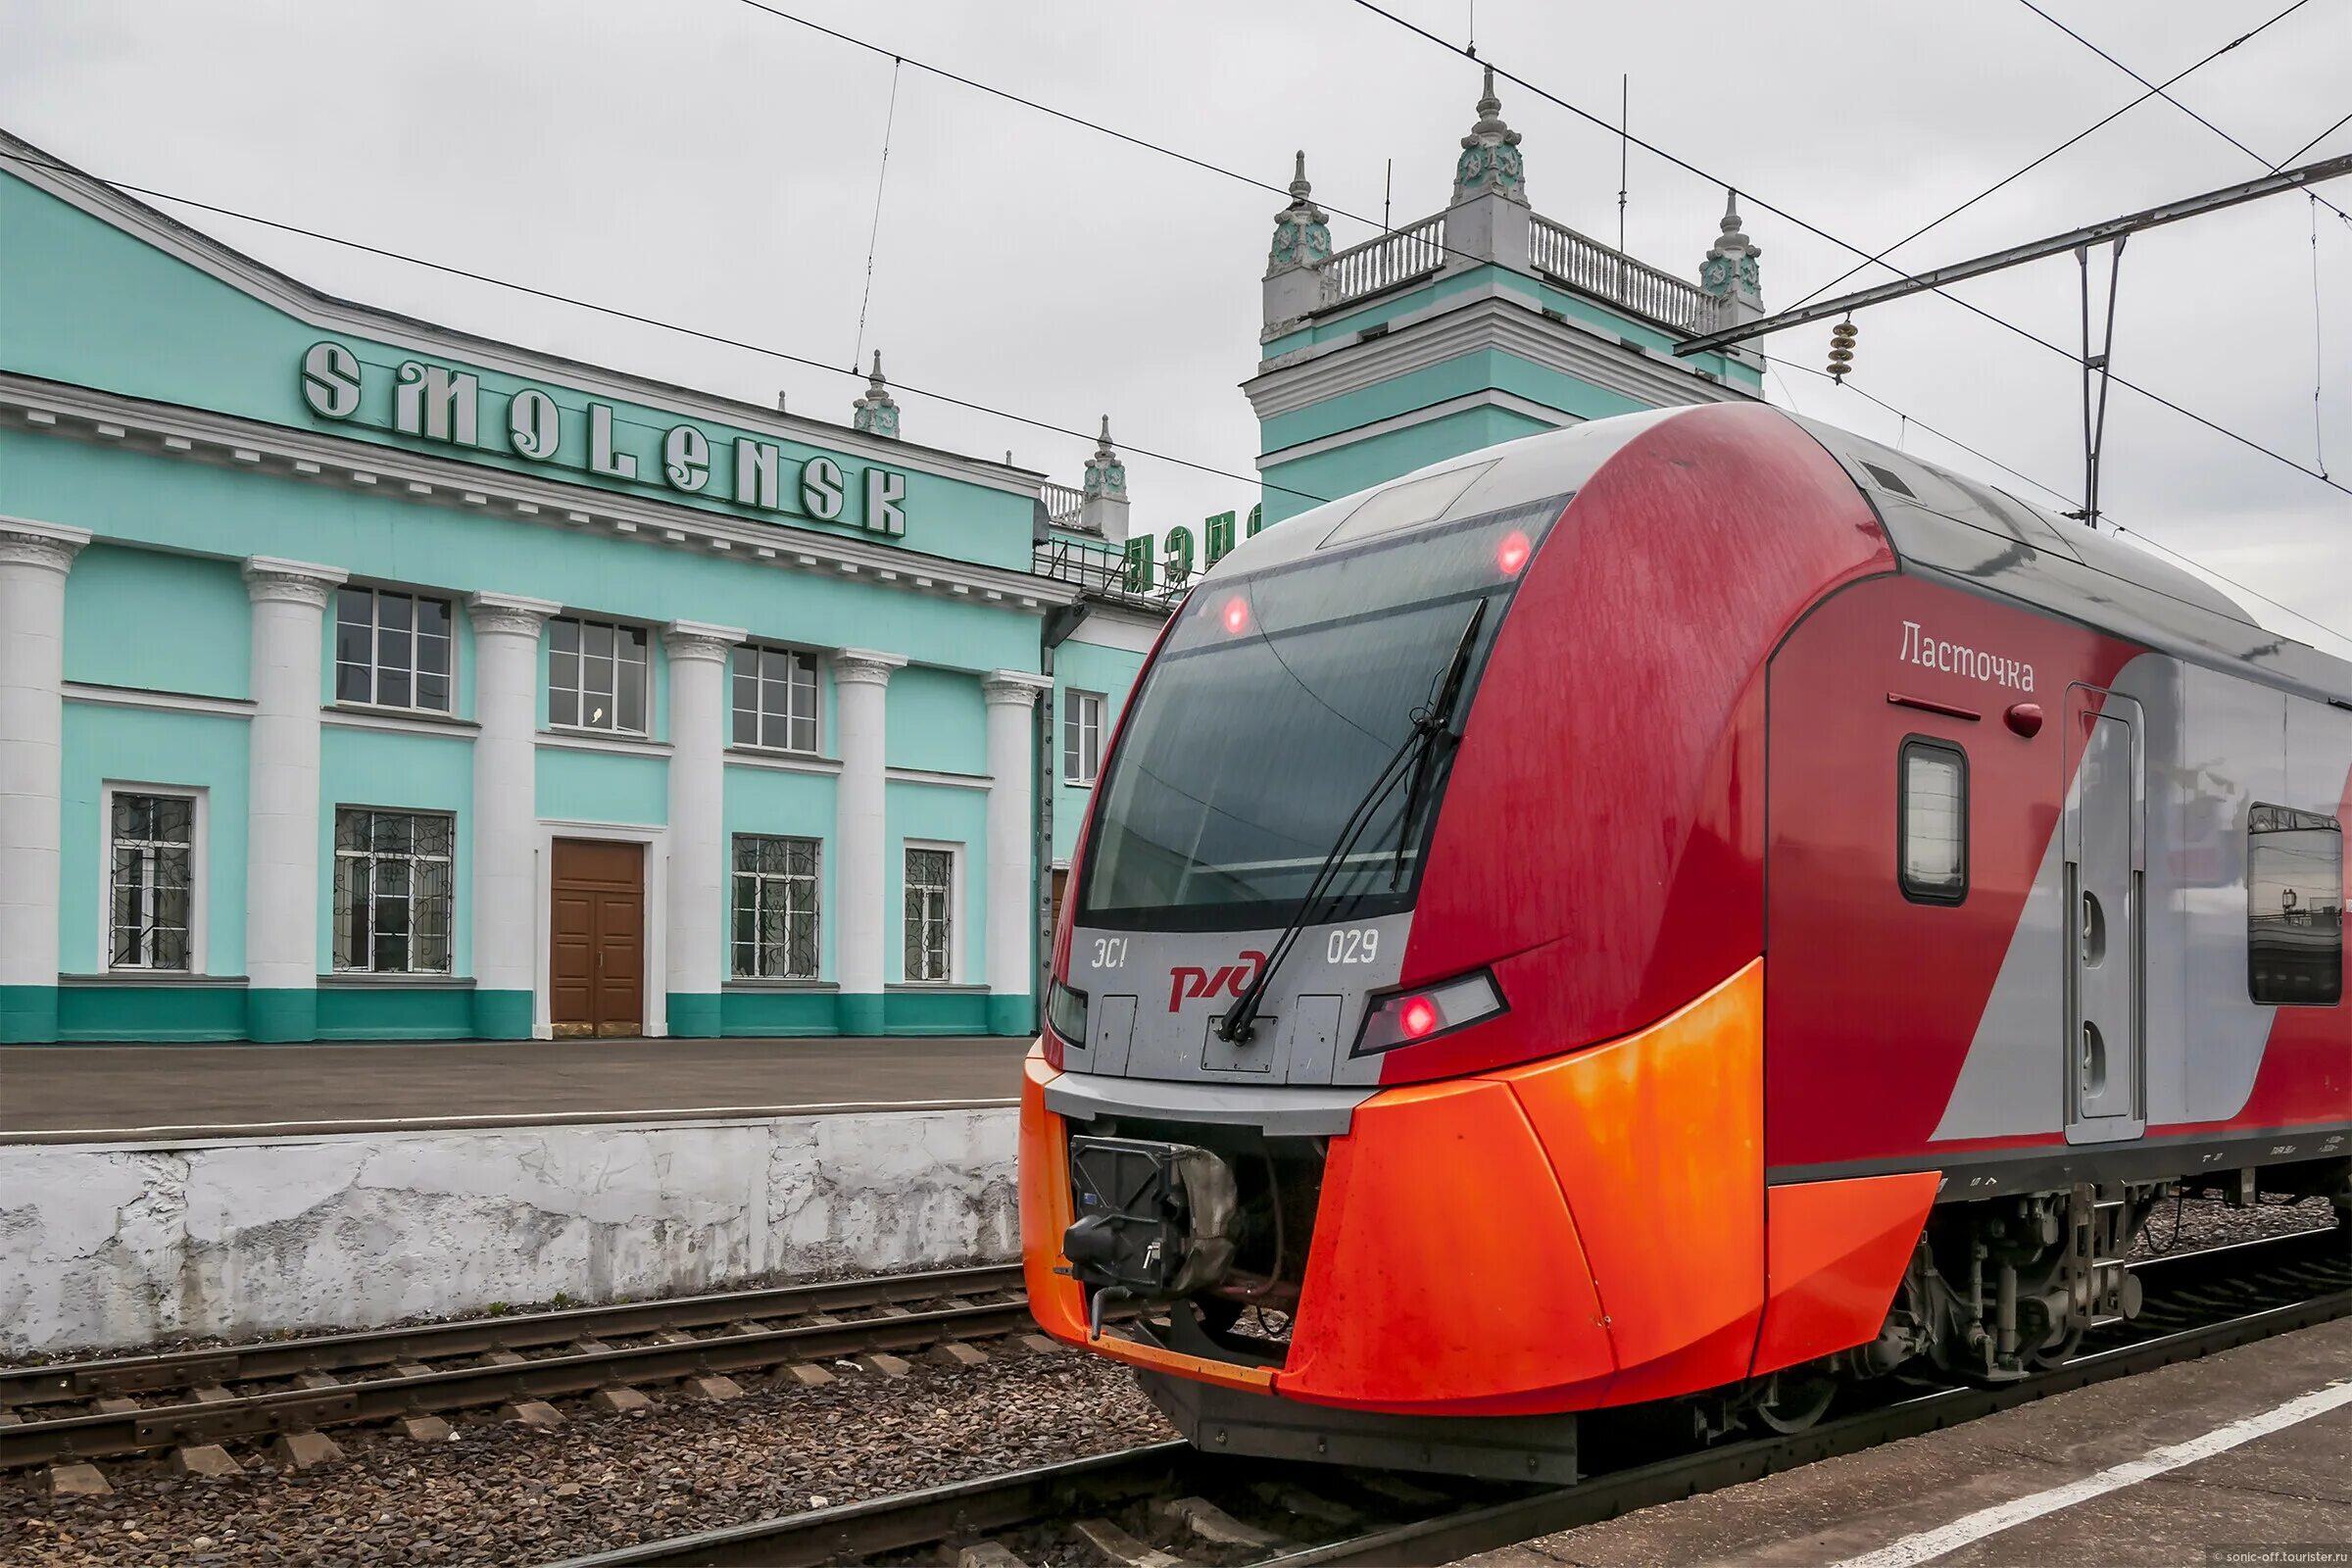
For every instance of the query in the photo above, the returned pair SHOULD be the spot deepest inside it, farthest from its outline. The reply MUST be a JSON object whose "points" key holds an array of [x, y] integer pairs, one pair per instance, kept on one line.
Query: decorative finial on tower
{"points": [[1490, 159], [1730, 271], [877, 412], [1301, 231], [1105, 474], [1103, 510]]}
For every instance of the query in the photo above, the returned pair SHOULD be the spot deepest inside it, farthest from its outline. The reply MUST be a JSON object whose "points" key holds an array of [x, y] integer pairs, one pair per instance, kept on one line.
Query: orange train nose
{"points": [[1588, 1229]]}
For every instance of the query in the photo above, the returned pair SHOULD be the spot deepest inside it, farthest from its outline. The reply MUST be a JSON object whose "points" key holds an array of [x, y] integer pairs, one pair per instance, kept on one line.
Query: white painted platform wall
{"points": [[113, 1246]]}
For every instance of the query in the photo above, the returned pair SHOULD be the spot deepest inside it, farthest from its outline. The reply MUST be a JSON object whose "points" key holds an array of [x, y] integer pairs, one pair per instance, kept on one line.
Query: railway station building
{"points": [[365, 679]]}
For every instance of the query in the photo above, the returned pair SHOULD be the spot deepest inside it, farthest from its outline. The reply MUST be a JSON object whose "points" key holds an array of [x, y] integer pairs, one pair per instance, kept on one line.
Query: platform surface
{"points": [[1929, 1499], [130, 1092]]}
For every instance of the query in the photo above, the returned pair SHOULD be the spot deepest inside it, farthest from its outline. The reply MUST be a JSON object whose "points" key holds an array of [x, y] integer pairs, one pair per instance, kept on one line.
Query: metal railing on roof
{"points": [[1101, 569], [1592, 268], [1377, 264]]}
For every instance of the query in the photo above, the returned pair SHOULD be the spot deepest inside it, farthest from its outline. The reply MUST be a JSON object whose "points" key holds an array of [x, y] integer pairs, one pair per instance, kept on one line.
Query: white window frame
{"points": [[198, 881], [955, 910], [375, 593], [645, 673], [1074, 706], [816, 905], [340, 854], [817, 700]]}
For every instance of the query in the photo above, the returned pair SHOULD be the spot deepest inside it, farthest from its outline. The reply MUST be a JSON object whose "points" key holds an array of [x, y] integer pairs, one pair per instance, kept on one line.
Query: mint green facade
{"points": [[201, 459]]}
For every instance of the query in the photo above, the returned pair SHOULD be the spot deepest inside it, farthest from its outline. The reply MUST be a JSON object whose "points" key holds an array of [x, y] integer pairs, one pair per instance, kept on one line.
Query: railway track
{"points": [[1171, 1500], [80, 1411]]}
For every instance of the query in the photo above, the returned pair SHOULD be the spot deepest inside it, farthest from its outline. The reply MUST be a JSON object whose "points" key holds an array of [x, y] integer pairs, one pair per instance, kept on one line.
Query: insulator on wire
{"points": [[1841, 349]]}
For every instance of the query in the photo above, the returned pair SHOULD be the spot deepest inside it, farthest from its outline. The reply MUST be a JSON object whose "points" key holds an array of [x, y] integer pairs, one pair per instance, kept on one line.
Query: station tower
{"points": [[1484, 322]]}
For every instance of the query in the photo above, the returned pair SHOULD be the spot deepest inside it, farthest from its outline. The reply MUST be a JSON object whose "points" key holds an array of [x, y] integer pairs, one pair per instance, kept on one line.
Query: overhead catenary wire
{"points": [[874, 237], [2159, 91], [2053, 493], [1848, 246], [2319, 351], [619, 312], [971, 405], [1470, 54], [2026, 168]]}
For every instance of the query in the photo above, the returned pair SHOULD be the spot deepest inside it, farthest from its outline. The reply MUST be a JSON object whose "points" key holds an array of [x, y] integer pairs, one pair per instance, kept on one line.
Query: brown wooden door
{"points": [[596, 972]]}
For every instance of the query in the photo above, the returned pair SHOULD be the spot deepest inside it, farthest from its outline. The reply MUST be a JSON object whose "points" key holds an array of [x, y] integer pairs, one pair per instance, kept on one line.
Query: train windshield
{"points": [[1274, 708]]}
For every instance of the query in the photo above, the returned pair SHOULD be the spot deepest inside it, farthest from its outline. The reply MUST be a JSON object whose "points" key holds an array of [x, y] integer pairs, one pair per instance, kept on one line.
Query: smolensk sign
{"points": [[1933, 653], [436, 403]]}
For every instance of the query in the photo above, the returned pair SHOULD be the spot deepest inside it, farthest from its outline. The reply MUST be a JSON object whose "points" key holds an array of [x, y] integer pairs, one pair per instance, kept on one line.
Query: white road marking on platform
{"points": [[1928, 1544]]}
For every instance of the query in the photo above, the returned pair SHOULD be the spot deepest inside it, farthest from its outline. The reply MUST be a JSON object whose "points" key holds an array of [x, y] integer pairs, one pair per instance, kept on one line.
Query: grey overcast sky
{"points": [[709, 165]]}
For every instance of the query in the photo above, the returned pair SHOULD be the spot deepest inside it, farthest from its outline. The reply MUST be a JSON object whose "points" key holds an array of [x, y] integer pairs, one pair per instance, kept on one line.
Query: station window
{"points": [[775, 907], [152, 884], [596, 675], [2295, 907], [392, 648], [1081, 736], [775, 699], [393, 891], [1932, 822], [930, 913]]}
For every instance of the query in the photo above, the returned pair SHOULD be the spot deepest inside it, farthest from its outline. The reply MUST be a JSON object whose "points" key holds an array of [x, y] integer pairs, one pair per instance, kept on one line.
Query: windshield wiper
{"points": [[1433, 722], [1429, 721]]}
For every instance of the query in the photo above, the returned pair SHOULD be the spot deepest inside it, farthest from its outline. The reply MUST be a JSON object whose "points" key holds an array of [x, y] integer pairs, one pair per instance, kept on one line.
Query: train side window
{"points": [[1932, 822], [2295, 907]]}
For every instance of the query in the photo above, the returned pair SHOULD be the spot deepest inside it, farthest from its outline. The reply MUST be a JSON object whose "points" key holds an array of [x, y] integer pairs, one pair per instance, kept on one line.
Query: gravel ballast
{"points": [[503, 1493]]}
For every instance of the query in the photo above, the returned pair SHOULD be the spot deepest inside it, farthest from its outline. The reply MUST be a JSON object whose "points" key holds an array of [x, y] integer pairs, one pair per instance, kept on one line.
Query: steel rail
{"points": [[64, 1382], [580, 1371], [998, 1502]]}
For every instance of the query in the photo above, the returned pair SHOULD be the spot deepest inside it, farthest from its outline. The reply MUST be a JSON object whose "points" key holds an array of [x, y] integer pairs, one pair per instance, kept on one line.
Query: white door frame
{"points": [[654, 984]]}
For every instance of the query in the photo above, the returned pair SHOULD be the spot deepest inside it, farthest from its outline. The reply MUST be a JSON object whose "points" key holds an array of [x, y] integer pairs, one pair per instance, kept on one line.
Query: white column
{"points": [[506, 811], [698, 846], [1011, 695], [861, 925], [281, 856], [35, 558]]}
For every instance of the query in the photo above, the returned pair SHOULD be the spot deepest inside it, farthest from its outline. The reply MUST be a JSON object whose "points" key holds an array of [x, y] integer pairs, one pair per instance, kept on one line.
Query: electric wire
{"points": [[2314, 142], [619, 312], [1818, 233], [951, 400], [2319, 353], [1217, 169], [873, 235], [2053, 493], [2021, 173], [2177, 104]]}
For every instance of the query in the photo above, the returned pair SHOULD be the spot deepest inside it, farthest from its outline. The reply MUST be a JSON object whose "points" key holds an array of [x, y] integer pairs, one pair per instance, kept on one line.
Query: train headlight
{"points": [[1408, 1017], [1066, 1012]]}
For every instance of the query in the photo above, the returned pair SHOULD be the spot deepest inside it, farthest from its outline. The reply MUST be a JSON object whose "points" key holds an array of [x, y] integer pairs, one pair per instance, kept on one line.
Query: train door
{"points": [[2106, 860]]}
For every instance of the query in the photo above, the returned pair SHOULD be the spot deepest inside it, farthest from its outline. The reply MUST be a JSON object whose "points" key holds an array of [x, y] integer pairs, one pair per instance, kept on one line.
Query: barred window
{"points": [[393, 897], [775, 907], [152, 885], [775, 699], [392, 648], [596, 675], [1081, 736], [930, 903]]}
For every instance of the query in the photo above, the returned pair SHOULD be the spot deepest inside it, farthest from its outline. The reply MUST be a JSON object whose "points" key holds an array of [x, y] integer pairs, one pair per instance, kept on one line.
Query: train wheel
{"points": [[1794, 1403], [2052, 1356]]}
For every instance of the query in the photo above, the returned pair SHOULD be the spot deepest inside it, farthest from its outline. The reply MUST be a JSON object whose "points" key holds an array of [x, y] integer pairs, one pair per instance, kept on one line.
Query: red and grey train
{"points": [[1698, 903]]}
